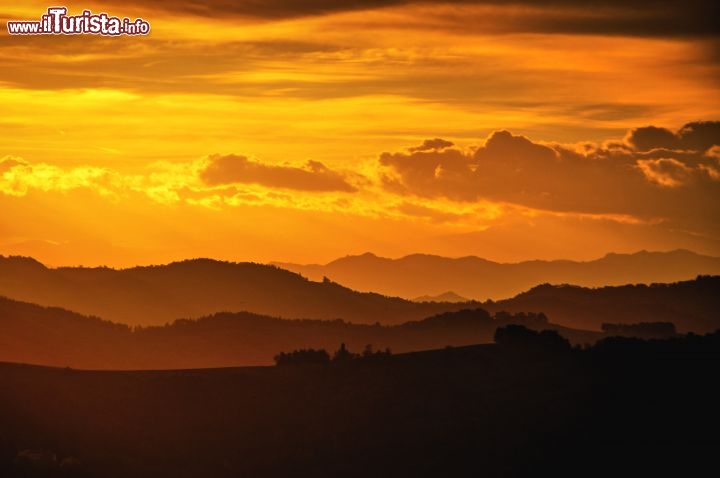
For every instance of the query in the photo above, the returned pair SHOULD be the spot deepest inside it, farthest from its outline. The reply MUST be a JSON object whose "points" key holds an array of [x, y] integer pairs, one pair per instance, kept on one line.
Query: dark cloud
{"points": [[430, 144], [698, 136], [270, 9], [652, 137], [643, 17], [314, 176], [679, 186], [652, 18]]}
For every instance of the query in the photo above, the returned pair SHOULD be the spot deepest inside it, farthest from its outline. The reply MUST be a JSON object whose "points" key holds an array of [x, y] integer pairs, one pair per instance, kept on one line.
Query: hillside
{"points": [[422, 275], [691, 305], [195, 288], [625, 408], [51, 336]]}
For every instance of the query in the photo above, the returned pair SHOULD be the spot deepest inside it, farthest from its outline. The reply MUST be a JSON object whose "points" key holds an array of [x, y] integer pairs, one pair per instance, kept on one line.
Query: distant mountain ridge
{"points": [[448, 296], [420, 275], [155, 295]]}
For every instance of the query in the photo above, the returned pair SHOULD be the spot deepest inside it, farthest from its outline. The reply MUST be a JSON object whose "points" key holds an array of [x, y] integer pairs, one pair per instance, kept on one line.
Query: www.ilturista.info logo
{"points": [[58, 22]]}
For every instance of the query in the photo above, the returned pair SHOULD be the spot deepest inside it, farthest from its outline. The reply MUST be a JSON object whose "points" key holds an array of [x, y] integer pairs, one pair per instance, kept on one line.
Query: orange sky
{"points": [[292, 131]]}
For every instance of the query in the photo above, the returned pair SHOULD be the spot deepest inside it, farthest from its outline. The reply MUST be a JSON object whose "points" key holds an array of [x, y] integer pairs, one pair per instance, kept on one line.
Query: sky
{"points": [[277, 130]]}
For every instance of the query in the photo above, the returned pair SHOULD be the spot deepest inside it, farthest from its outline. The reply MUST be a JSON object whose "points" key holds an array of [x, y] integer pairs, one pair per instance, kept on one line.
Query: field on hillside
{"points": [[631, 408]]}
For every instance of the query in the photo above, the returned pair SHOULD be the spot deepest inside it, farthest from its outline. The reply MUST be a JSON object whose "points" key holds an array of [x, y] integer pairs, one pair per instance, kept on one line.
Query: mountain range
{"points": [[426, 276], [54, 336]]}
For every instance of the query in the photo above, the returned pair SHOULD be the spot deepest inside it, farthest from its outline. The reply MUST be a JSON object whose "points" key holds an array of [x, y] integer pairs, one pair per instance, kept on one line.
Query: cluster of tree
{"points": [[303, 356], [519, 338], [691, 345], [322, 357], [642, 330]]}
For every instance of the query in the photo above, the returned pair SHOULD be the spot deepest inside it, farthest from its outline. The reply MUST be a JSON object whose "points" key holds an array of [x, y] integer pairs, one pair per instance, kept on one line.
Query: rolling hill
{"points": [[195, 288], [693, 306], [50, 336]]}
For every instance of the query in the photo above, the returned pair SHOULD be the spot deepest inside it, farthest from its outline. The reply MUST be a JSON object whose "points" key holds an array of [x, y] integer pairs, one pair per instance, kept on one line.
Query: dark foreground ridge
{"points": [[527, 405]]}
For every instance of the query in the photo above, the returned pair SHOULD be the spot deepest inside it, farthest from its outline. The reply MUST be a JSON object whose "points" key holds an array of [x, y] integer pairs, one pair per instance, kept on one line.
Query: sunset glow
{"points": [[305, 132]]}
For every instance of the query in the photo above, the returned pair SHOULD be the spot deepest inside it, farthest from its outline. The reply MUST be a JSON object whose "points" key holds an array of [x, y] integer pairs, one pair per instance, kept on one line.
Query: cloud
{"points": [[651, 137], [650, 18], [9, 162], [176, 64], [18, 177], [647, 177], [698, 136], [666, 171], [644, 17], [269, 9], [431, 144], [436, 215], [313, 176], [213, 182]]}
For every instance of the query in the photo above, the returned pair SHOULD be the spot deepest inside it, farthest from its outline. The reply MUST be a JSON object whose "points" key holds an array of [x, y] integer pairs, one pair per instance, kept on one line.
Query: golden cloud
{"points": [[641, 178], [638, 181], [312, 176]]}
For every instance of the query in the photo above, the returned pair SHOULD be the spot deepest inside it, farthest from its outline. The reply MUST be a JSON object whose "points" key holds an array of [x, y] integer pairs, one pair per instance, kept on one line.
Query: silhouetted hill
{"points": [[623, 408], [691, 305], [51, 336], [195, 288], [426, 275]]}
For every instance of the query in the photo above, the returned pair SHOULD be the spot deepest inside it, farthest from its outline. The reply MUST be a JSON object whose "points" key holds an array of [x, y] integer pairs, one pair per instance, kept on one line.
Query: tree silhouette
{"points": [[369, 353], [343, 354], [520, 338], [642, 330], [303, 356]]}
